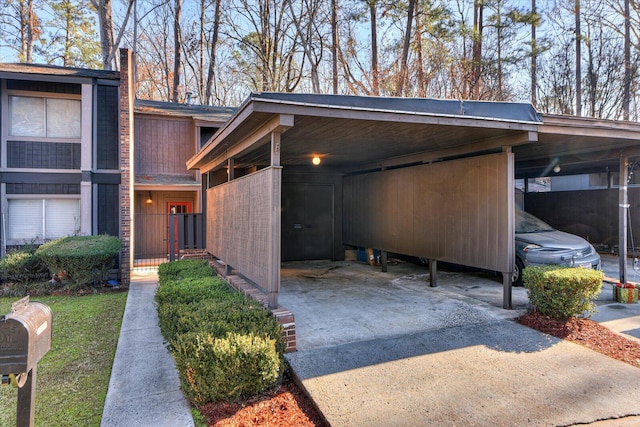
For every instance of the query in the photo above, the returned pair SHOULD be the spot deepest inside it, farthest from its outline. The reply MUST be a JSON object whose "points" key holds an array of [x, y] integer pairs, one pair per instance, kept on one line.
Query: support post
{"points": [[172, 237], [507, 288], [27, 400], [433, 272], [622, 217], [383, 260]]}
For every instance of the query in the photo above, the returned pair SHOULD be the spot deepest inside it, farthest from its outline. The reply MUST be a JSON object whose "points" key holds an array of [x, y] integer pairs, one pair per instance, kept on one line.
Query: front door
{"points": [[307, 222], [175, 208]]}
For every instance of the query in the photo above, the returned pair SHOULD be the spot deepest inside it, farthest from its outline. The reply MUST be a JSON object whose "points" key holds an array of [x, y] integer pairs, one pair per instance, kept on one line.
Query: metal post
{"points": [[172, 237], [27, 400], [622, 217], [433, 271]]}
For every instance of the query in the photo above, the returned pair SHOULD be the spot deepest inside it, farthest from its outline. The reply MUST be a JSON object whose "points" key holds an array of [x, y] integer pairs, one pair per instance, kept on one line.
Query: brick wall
{"points": [[126, 155], [282, 315]]}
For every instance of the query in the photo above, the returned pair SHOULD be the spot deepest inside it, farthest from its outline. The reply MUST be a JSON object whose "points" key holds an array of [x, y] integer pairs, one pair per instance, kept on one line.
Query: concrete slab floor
{"points": [[348, 301]]}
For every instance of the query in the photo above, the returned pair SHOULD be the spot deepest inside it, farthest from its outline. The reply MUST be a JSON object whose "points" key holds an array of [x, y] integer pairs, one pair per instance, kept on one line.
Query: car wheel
{"points": [[516, 279]]}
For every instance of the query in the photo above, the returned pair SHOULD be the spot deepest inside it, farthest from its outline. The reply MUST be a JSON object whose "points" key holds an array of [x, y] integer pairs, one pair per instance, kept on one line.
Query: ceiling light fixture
{"points": [[316, 160]]}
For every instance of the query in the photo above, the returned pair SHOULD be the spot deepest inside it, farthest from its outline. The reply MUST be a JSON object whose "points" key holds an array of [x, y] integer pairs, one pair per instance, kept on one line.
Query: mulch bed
{"points": [[588, 333]]}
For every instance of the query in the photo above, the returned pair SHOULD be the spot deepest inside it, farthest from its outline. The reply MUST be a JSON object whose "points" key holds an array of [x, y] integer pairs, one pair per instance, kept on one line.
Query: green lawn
{"points": [[73, 376]]}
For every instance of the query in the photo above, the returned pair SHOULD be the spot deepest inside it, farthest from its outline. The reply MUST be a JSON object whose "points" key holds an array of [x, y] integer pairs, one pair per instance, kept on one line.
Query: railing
{"points": [[166, 237]]}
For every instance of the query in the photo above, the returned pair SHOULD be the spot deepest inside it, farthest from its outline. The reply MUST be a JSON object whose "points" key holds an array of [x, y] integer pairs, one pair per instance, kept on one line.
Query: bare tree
{"points": [[177, 51], [405, 49]]}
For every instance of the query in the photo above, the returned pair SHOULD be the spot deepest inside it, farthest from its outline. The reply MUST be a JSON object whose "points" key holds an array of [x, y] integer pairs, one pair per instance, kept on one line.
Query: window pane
{"points": [[63, 118], [27, 116], [25, 220], [62, 218]]}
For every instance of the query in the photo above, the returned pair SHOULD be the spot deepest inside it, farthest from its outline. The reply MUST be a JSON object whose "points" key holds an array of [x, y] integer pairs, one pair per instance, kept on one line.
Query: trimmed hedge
{"points": [[23, 267], [80, 260], [562, 292], [226, 346]]}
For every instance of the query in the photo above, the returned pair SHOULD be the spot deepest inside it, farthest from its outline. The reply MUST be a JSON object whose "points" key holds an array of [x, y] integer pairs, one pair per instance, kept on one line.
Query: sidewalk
{"points": [[144, 389]]}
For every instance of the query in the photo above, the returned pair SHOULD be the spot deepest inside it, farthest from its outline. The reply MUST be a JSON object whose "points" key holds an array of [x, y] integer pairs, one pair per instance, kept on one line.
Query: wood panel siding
{"points": [[43, 155], [106, 122], [459, 211], [163, 145], [243, 222], [42, 86], [591, 214], [152, 219], [41, 188]]}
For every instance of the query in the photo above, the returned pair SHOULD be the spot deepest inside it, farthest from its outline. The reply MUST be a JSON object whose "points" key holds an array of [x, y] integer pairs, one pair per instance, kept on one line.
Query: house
{"points": [[303, 176], [80, 156], [60, 148]]}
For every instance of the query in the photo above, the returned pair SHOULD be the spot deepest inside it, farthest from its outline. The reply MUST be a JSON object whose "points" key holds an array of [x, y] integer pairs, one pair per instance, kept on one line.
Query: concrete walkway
{"points": [[144, 389]]}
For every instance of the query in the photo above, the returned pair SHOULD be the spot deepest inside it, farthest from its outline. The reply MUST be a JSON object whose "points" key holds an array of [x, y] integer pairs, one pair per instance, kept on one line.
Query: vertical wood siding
{"points": [[459, 211], [163, 146], [243, 223]]}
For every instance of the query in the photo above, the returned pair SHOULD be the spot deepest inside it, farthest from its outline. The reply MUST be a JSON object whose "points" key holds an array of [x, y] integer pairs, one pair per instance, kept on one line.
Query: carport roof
{"points": [[359, 133], [355, 133]]}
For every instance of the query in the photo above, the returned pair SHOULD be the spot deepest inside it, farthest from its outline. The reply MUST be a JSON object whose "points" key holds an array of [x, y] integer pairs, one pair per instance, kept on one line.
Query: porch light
{"points": [[316, 160], [556, 168], [149, 199]]}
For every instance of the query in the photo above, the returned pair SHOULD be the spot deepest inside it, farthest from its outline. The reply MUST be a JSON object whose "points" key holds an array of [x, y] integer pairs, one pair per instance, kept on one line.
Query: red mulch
{"points": [[287, 405], [588, 333]]}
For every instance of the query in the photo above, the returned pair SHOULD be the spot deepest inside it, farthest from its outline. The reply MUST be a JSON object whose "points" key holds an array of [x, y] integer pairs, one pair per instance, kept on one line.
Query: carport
{"points": [[426, 178]]}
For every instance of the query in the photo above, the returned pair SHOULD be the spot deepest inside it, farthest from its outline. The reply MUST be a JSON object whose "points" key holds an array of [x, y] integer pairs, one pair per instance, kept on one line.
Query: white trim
{"points": [[86, 128], [85, 208]]}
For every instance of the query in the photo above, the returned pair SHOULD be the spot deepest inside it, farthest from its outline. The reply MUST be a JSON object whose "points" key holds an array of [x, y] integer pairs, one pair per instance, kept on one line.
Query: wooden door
{"points": [[176, 208]]}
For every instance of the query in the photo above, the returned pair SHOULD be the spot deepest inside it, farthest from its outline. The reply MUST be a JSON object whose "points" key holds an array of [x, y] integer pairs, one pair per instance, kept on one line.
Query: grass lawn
{"points": [[73, 376]]}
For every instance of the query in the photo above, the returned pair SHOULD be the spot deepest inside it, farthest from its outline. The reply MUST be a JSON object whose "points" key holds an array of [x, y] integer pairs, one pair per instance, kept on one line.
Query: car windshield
{"points": [[527, 223]]}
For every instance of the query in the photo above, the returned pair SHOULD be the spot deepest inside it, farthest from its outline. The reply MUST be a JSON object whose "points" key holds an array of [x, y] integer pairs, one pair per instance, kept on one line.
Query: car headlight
{"points": [[531, 246]]}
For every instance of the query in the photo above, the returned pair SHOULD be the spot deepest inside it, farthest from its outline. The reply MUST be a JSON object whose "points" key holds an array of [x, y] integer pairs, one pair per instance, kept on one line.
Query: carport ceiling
{"points": [[352, 134]]}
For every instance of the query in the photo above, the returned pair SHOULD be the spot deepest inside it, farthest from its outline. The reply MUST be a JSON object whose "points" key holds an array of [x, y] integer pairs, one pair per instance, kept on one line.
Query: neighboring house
{"points": [[59, 167]]}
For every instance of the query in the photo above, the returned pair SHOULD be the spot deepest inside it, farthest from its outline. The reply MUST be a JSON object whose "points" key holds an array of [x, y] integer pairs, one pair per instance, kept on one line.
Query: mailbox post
{"points": [[25, 336]]}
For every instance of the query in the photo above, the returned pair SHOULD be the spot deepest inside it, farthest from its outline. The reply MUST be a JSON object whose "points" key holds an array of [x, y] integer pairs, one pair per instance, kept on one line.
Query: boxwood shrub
{"points": [[226, 346], [80, 260], [23, 267], [562, 292]]}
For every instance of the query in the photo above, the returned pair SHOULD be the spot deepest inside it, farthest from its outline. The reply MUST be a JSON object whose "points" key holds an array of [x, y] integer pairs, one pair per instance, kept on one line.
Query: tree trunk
{"points": [[334, 44], [177, 44], [626, 96], [375, 72], [422, 84], [478, 7], [212, 59], [534, 58], [405, 49], [578, 61]]}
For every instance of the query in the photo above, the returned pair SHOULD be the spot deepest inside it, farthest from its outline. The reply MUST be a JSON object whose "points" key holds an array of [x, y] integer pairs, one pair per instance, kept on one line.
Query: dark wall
{"points": [[107, 127], [318, 176], [591, 214]]}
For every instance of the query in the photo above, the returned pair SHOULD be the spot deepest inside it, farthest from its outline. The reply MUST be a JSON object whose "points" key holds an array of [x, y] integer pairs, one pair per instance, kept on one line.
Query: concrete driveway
{"points": [[382, 349]]}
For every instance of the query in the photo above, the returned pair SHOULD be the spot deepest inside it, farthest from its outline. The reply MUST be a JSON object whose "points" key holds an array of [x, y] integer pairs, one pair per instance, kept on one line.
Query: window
{"points": [[44, 117], [40, 219]]}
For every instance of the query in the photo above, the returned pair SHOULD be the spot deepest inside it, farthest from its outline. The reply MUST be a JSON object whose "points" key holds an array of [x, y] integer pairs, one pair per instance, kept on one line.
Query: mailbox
{"points": [[25, 336]]}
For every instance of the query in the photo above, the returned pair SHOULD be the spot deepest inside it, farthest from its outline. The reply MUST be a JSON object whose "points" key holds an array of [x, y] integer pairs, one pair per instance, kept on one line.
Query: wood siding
{"points": [[163, 145], [591, 214], [43, 155], [243, 225], [458, 211], [152, 219]]}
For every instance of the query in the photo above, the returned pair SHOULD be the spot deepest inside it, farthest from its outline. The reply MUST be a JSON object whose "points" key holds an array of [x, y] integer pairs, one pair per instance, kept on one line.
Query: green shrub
{"points": [[23, 267], [226, 346], [562, 292], [184, 268], [218, 318], [80, 260], [223, 369], [192, 289]]}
